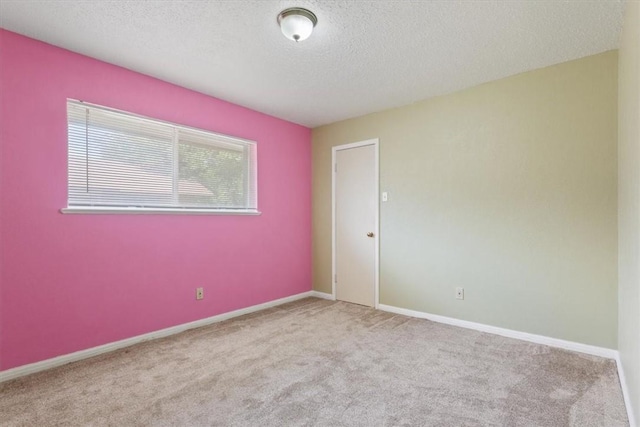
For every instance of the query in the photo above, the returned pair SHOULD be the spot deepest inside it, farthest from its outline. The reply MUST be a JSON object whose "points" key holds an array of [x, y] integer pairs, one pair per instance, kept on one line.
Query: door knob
{"points": [[370, 234]]}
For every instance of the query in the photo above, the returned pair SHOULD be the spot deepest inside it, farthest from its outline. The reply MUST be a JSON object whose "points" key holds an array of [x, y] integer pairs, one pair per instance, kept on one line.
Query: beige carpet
{"points": [[316, 362]]}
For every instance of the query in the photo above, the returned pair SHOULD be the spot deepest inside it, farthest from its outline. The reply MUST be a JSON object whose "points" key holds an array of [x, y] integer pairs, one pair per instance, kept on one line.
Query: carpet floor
{"points": [[323, 363]]}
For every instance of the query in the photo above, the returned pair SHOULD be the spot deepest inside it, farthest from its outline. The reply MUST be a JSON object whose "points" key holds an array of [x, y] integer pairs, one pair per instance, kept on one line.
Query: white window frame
{"points": [[103, 209]]}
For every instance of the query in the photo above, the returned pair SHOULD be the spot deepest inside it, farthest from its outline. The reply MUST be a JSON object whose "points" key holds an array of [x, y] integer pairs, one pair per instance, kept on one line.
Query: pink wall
{"points": [[70, 282]]}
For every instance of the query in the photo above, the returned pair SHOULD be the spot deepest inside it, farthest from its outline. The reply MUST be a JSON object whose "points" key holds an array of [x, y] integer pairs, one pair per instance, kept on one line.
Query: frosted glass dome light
{"points": [[297, 23]]}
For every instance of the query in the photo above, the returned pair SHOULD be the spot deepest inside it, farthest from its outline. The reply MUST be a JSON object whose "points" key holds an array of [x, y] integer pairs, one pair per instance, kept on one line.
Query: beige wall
{"points": [[629, 203], [507, 189]]}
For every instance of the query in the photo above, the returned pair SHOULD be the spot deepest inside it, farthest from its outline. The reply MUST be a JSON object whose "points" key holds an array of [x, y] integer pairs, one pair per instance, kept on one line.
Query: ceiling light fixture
{"points": [[297, 23]]}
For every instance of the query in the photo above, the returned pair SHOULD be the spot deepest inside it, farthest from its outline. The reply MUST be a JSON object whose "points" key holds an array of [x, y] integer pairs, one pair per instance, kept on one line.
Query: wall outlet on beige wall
{"points": [[459, 293]]}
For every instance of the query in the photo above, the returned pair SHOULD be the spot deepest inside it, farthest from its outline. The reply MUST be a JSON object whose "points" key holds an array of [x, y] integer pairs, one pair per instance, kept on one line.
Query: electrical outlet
{"points": [[199, 293], [459, 293]]}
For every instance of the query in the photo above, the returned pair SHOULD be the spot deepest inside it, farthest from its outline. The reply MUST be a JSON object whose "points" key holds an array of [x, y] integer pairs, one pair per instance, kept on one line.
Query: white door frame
{"points": [[334, 150]]}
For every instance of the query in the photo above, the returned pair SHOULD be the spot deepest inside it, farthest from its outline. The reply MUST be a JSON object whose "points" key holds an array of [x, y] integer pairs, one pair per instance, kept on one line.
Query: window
{"points": [[120, 162]]}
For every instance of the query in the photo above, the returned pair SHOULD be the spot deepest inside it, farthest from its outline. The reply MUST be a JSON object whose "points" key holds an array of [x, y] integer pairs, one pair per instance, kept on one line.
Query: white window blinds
{"points": [[118, 159]]}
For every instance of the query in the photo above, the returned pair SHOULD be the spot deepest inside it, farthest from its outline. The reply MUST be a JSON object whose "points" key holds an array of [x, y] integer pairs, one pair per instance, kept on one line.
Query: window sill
{"points": [[100, 210]]}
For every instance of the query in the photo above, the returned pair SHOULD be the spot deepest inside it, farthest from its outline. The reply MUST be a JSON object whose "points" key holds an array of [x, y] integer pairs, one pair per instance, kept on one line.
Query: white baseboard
{"points": [[322, 295], [625, 392], [538, 339], [94, 351]]}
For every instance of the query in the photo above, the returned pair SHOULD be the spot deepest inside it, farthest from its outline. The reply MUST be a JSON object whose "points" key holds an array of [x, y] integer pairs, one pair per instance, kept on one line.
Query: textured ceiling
{"points": [[363, 56]]}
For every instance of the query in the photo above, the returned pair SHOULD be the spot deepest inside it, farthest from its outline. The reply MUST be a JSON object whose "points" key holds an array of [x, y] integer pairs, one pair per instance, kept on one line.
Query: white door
{"points": [[355, 209]]}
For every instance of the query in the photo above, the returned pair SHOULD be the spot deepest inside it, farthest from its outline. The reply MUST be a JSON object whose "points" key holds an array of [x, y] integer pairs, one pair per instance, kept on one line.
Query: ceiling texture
{"points": [[363, 56]]}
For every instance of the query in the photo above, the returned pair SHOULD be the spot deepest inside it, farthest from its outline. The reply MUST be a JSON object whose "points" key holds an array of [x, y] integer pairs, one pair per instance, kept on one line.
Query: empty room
{"points": [[320, 213]]}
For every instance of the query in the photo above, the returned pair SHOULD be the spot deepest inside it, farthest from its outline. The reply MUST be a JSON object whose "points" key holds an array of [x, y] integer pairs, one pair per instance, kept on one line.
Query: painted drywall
{"points": [[507, 189], [629, 203], [71, 282]]}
